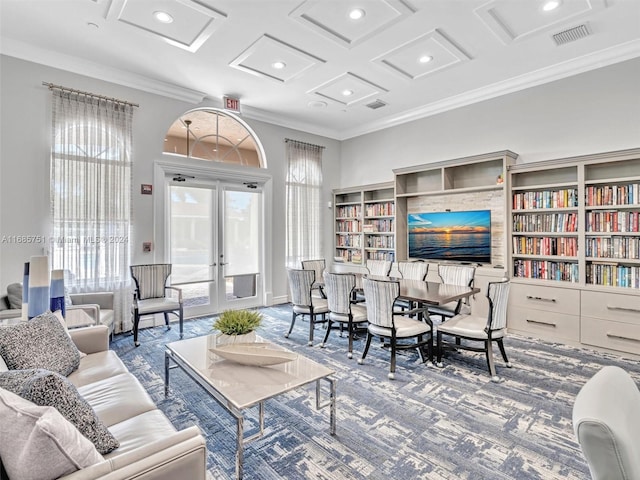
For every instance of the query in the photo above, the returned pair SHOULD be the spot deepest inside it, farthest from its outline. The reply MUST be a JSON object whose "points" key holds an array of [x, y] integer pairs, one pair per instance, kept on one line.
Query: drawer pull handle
{"points": [[538, 322], [542, 299], [624, 309], [620, 337]]}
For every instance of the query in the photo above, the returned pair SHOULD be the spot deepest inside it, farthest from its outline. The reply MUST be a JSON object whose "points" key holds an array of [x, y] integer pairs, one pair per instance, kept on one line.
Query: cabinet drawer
{"points": [[558, 300], [551, 326], [620, 336], [611, 306]]}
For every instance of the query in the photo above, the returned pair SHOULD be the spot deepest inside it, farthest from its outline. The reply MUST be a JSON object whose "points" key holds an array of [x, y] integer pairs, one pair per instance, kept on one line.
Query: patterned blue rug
{"points": [[428, 423]]}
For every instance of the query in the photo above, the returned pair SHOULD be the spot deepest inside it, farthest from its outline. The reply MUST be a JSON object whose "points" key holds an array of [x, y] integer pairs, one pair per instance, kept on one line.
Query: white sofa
{"points": [[150, 446]]}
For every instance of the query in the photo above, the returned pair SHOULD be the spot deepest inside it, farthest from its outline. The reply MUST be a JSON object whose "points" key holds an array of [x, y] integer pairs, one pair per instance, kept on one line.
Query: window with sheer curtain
{"points": [[304, 188], [91, 196]]}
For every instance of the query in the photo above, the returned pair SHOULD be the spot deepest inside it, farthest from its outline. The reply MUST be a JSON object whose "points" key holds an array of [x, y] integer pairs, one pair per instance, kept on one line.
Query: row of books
{"points": [[386, 241], [546, 270], [348, 226], [613, 247], [613, 275], [381, 256], [353, 241], [347, 211], [545, 222], [350, 256], [612, 221], [563, 198], [380, 225], [380, 209], [563, 246], [612, 194]]}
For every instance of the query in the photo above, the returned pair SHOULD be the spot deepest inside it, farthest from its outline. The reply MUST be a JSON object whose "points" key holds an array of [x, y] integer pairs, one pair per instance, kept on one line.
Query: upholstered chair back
{"points": [[457, 274], [339, 288], [379, 268], [498, 294], [317, 266], [300, 284], [413, 270], [150, 279], [380, 295]]}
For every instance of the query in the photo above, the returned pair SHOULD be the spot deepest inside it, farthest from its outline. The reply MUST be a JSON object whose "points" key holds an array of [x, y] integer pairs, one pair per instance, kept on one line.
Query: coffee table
{"points": [[237, 387]]}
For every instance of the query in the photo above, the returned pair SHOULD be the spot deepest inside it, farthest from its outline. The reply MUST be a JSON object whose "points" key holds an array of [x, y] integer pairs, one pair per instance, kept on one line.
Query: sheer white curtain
{"points": [[304, 188], [91, 196]]}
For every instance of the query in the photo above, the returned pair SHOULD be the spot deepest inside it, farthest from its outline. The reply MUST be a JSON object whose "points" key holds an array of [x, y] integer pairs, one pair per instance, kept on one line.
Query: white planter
{"points": [[223, 339]]}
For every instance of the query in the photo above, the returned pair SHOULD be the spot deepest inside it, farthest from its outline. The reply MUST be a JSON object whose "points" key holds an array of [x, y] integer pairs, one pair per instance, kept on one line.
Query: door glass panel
{"points": [[192, 243], [241, 242]]}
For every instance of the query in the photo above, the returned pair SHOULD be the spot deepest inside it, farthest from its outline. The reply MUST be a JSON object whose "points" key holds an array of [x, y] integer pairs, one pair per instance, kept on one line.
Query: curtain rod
{"points": [[287, 140], [51, 86]]}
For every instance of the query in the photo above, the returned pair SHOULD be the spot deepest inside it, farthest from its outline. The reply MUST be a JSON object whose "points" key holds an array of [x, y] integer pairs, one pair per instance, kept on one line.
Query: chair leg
{"points": [[293, 321], [488, 348], [136, 322], [504, 354], [350, 334], [392, 367], [366, 348], [420, 347], [326, 335], [166, 320], [181, 322], [439, 350], [312, 326]]}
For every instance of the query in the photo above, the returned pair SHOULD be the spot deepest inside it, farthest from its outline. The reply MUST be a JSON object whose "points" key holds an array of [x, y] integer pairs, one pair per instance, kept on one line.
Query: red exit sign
{"points": [[232, 104]]}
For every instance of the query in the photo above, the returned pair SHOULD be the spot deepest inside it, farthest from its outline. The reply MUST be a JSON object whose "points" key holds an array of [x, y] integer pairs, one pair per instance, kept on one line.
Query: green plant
{"points": [[237, 322]]}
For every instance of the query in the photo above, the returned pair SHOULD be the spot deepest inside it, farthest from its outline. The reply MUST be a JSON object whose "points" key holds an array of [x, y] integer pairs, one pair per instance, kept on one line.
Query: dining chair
{"points": [[487, 330], [301, 284], [462, 275], [339, 289], [317, 266], [151, 295], [379, 268], [389, 325], [411, 271]]}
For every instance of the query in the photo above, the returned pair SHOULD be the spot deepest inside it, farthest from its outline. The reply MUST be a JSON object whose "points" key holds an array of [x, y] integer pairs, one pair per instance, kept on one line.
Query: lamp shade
{"points": [[57, 291], [25, 292], [38, 285]]}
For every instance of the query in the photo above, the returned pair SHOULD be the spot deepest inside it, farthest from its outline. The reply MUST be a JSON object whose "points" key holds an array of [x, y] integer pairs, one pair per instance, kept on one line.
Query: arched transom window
{"points": [[214, 135]]}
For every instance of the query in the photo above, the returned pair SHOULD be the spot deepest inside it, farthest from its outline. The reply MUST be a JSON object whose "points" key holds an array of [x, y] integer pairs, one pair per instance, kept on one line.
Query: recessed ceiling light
{"points": [[162, 17], [278, 65], [425, 59], [356, 14], [551, 5], [347, 93], [317, 104]]}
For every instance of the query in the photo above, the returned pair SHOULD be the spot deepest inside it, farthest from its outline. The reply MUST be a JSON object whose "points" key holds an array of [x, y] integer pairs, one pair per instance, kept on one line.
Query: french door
{"points": [[215, 244]]}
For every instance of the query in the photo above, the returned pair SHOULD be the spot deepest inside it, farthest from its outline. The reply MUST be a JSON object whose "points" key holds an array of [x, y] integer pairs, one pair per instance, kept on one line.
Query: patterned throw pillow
{"points": [[14, 294], [39, 343], [41, 444], [51, 389]]}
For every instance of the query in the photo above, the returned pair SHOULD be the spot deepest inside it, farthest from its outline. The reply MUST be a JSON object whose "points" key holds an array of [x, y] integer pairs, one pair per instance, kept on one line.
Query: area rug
{"points": [[428, 423]]}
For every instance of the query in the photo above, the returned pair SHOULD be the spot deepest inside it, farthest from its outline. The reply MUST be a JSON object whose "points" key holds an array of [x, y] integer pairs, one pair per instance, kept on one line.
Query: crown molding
{"points": [[23, 51]]}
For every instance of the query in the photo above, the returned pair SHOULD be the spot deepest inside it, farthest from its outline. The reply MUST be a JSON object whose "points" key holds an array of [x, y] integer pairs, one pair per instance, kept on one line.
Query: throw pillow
{"points": [[39, 343], [14, 294], [51, 389], [43, 445]]}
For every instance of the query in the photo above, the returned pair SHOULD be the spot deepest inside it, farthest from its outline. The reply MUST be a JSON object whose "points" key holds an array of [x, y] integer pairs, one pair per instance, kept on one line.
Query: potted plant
{"points": [[237, 326]]}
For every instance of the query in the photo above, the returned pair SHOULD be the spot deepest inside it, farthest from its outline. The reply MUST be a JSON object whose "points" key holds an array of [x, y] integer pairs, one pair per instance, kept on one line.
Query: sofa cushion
{"points": [[141, 430], [46, 388], [14, 295], [97, 366], [117, 398], [44, 445], [39, 343]]}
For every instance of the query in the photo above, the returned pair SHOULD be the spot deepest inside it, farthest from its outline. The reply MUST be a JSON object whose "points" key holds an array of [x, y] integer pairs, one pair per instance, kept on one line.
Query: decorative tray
{"points": [[257, 354]]}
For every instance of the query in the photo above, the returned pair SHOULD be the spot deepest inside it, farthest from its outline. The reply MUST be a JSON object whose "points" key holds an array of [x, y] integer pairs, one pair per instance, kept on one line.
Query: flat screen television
{"points": [[454, 236]]}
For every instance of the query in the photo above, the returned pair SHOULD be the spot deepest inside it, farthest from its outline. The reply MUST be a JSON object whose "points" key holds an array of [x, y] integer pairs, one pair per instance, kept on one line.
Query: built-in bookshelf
{"points": [[365, 223], [574, 256]]}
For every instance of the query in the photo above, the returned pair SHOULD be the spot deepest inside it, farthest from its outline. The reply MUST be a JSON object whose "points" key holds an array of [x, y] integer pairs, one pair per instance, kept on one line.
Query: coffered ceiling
{"points": [[307, 64]]}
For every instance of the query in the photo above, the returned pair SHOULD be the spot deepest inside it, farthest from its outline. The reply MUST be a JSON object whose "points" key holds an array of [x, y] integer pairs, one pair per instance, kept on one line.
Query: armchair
{"points": [[150, 295]]}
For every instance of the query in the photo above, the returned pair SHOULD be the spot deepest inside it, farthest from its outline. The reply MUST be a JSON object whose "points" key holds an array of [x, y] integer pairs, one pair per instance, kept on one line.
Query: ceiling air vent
{"points": [[571, 35], [376, 104]]}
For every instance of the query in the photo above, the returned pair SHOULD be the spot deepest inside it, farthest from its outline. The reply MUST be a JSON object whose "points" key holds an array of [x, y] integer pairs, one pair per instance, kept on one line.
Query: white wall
{"points": [[597, 111], [25, 126]]}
